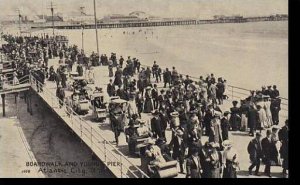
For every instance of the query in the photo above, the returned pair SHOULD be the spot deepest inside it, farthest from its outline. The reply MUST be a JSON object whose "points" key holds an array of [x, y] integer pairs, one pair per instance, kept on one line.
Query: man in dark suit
{"points": [[284, 138], [267, 150], [167, 76], [178, 147], [193, 165], [156, 126], [164, 121], [111, 88], [275, 108], [252, 119], [275, 92], [255, 152], [154, 94]]}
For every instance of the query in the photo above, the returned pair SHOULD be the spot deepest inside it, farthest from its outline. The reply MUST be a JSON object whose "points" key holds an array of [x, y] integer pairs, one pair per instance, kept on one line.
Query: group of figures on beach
{"points": [[189, 108]]}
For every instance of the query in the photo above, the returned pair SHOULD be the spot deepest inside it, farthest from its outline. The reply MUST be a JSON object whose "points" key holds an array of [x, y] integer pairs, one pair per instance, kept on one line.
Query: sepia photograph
{"points": [[144, 89]]}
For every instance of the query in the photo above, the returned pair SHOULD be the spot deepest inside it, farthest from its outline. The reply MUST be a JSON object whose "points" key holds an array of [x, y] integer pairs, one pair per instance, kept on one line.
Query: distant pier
{"points": [[65, 25]]}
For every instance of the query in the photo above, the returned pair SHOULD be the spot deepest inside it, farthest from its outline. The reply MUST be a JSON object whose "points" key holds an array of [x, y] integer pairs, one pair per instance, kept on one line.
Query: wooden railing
{"points": [[108, 153]]}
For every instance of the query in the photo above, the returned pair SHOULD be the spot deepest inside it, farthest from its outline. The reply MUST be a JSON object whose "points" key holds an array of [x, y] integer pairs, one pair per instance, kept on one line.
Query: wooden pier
{"points": [[161, 23]]}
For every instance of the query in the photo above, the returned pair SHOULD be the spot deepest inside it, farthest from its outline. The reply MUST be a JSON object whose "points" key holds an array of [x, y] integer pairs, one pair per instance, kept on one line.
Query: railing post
{"points": [[80, 130], [105, 151], [231, 92], [121, 166], [71, 118], [91, 137]]}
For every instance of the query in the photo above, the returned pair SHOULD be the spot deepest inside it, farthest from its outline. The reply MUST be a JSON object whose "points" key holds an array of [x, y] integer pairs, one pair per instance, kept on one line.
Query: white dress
{"points": [[262, 114], [268, 113]]}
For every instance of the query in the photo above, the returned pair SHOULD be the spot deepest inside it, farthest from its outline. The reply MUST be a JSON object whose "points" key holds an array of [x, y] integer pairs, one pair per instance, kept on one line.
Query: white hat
{"points": [[179, 132], [218, 114], [227, 143], [150, 141], [214, 145]]}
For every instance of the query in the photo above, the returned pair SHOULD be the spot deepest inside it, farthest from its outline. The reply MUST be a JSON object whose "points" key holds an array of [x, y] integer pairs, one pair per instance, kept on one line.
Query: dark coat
{"points": [[80, 70], [235, 119], [118, 78], [156, 126], [225, 128], [255, 150], [164, 120], [220, 89], [252, 118], [167, 76], [267, 149], [60, 93], [154, 94], [283, 134], [110, 89], [193, 167], [284, 138], [178, 149]]}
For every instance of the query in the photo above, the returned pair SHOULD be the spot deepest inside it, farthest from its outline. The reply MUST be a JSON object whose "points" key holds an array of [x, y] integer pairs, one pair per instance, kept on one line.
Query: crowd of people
{"points": [[190, 108]]}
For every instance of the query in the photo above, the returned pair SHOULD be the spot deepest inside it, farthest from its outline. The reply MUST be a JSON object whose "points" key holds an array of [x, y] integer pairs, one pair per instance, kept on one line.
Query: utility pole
{"points": [[82, 36], [96, 27], [20, 16], [82, 13], [52, 7]]}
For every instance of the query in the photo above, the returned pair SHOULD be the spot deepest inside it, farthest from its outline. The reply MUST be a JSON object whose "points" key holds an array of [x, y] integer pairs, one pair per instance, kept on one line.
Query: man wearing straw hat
{"points": [[255, 152], [193, 165], [156, 126], [178, 148]]}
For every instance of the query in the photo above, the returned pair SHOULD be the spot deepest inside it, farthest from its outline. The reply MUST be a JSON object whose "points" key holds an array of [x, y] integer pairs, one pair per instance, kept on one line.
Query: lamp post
{"points": [[82, 36]]}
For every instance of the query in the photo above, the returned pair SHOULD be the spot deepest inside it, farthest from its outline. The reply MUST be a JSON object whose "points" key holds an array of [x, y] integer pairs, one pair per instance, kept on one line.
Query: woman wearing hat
{"points": [[276, 145], [267, 108], [235, 119], [225, 126], [215, 134], [230, 160], [148, 105], [262, 112], [214, 161]]}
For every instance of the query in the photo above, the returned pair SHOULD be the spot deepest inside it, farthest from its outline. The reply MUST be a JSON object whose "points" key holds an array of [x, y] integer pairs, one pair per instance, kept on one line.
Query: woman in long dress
{"points": [[262, 113], [268, 112], [244, 120], [148, 105], [235, 119], [118, 77], [230, 159]]}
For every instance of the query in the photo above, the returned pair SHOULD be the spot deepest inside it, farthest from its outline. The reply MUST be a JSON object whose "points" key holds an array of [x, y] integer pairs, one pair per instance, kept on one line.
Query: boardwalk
{"points": [[99, 137]]}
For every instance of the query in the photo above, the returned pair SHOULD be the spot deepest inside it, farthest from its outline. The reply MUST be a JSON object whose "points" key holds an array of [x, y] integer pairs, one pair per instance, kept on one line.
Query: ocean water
{"points": [[247, 55]]}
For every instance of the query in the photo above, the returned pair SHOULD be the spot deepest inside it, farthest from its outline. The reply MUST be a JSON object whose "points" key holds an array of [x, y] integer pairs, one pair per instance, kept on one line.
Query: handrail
{"points": [[75, 117]]}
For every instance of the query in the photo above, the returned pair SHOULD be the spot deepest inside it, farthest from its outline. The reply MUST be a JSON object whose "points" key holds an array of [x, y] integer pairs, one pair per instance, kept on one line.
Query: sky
{"points": [[161, 8]]}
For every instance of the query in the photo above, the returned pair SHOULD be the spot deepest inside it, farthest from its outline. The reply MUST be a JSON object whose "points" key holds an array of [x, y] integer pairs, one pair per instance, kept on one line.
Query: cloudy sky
{"points": [[162, 8]]}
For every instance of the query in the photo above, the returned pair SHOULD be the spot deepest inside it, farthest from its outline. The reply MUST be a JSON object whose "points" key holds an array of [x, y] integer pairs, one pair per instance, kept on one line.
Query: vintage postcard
{"points": [[144, 89]]}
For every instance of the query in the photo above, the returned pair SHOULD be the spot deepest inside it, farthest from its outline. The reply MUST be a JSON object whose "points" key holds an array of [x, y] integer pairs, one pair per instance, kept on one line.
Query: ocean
{"points": [[247, 55]]}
